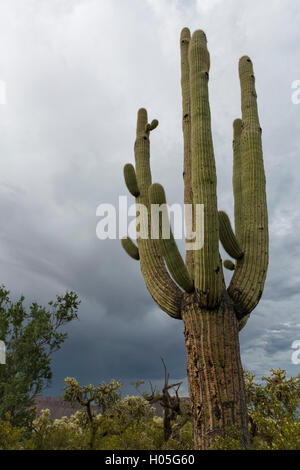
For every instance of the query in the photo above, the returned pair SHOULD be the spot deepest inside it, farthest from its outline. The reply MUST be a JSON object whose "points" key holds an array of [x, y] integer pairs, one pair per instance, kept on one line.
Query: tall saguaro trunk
{"points": [[215, 373], [194, 290]]}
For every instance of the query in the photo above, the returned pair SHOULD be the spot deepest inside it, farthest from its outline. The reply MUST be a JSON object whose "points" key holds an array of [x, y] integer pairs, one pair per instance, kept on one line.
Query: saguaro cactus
{"points": [[212, 314]]}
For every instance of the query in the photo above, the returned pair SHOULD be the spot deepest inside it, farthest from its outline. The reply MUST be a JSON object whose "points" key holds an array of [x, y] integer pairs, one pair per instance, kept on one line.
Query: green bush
{"points": [[131, 424], [12, 437], [273, 410]]}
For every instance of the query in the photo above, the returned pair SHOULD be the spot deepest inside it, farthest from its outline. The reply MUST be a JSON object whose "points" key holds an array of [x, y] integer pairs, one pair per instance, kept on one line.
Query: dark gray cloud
{"points": [[76, 73]]}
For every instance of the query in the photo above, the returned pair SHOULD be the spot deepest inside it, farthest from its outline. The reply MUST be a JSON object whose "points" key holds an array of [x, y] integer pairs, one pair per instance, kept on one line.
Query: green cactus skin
{"points": [[130, 180], [207, 269], [130, 248], [237, 179], [163, 289], [228, 238], [247, 283], [168, 246], [243, 321], [228, 264], [195, 291], [152, 126], [185, 38]]}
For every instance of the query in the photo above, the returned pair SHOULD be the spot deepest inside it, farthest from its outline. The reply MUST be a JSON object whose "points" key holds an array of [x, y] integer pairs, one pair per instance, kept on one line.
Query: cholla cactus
{"points": [[104, 395], [194, 291]]}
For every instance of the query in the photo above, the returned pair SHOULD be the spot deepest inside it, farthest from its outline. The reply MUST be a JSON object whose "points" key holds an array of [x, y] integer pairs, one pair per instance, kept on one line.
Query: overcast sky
{"points": [[76, 72]]}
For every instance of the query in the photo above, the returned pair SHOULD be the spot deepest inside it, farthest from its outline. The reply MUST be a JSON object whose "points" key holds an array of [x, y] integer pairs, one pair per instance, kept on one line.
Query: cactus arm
{"points": [[157, 279], [168, 246], [228, 238], [130, 180], [247, 283], [237, 179], [185, 38], [151, 127], [207, 269], [130, 248], [243, 321]]}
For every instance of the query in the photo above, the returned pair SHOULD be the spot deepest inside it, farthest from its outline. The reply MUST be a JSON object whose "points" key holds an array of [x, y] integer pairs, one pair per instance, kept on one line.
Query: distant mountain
{"points": [[59, 408]]}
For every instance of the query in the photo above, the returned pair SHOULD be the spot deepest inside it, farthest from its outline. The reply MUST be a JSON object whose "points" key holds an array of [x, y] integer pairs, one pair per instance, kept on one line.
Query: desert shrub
{"points": [[131, 424], [12, 437], [231, 441], [273, 410], [58, 434]]}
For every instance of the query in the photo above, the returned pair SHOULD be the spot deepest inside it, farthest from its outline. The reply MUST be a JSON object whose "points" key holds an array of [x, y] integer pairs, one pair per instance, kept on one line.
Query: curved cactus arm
{"points": [[152, 126], [130, 180], [228, 264], [168, 246], [157, 279], [228, 238], [130, 248], [207, 268], [243, 321], [185, 38], [237, 179], [247, 283]]}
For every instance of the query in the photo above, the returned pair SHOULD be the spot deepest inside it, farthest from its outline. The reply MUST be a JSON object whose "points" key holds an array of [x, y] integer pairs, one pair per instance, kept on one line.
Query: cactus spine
{"points": [[194, 291]]}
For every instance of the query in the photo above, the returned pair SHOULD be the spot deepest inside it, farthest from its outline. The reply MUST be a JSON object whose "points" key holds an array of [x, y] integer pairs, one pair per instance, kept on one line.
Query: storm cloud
{"points": [[76, 72]]}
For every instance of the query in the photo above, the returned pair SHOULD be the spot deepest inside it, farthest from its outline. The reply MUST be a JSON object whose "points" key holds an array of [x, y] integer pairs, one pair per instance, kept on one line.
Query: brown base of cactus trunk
{"points": [[215, 374]]}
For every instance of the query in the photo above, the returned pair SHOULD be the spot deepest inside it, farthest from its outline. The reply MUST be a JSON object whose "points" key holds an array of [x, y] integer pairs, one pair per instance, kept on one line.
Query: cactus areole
{"points": [[194, 290]]}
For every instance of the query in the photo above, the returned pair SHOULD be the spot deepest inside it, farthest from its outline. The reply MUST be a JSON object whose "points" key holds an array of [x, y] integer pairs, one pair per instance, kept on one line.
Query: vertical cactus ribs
{"points": [[163, 268], [194, 290]]}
